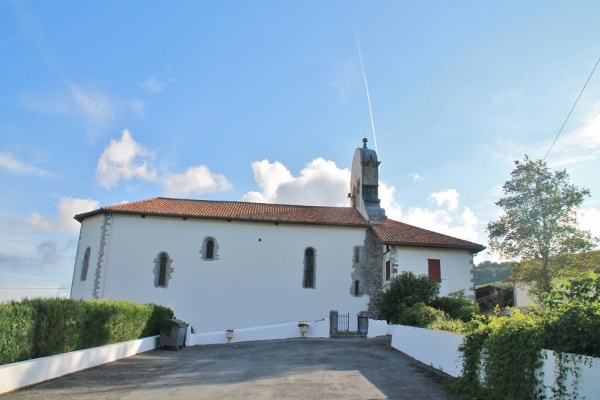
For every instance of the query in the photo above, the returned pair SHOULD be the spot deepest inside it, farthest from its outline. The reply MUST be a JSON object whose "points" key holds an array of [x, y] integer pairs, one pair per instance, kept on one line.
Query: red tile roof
{"points": [[391, 232], [398, 233], [235, 210]]}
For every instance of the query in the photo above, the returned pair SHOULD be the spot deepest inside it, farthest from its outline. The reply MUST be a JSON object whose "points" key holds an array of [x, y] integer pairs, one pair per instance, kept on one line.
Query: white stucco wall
{"points": [[257, 279], [89, 237], [455, 265]]}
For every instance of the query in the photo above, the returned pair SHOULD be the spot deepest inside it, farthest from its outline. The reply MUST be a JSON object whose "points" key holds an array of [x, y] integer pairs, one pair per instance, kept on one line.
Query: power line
{"points": [[572, 108]]}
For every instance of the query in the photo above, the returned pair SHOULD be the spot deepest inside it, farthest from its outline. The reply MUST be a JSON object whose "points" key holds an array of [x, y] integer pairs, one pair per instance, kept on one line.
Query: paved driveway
{"points": [[280, 369]]}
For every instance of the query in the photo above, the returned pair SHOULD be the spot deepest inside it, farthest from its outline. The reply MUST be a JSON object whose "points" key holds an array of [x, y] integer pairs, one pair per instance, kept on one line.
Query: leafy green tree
{"points": [[405, 291], [490, 272], [539, 224]]}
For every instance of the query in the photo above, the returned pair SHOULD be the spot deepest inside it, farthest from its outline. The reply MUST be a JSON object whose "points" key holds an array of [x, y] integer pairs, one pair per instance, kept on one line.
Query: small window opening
{"points": [[309, 268], [162, 272], [85, 265], [357, 288], [210, 249]]}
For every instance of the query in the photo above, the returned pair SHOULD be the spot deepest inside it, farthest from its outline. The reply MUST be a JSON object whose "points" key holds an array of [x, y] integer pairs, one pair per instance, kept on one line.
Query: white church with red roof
{"points": [[224, 264]]}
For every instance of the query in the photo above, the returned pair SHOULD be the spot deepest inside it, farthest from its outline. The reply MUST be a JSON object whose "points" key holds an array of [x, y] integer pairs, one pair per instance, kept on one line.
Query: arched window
{"points": [[308, 280], [210, 249], [85, 265], [162, 270]]}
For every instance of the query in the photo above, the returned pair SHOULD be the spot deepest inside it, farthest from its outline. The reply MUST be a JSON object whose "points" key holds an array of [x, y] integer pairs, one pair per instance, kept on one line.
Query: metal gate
{"points": [[344, 322]]}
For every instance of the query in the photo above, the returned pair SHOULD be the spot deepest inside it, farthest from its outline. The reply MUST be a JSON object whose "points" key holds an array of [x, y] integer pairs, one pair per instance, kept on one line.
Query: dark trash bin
{"points": [[363, 323], [173, 333]]}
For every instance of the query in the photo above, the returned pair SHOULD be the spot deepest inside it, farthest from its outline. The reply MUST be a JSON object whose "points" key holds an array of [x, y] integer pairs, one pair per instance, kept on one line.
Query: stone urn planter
{"points": [[229, 335], [303, 326]]}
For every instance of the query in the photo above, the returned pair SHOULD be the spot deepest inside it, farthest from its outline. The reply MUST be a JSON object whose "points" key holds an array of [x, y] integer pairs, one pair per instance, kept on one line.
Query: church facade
{"points": [[226, 264]]}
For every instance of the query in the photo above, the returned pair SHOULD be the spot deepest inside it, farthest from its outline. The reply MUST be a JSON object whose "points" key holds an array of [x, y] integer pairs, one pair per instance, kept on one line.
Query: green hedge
{"points": [[501, 353], [44, 327]]}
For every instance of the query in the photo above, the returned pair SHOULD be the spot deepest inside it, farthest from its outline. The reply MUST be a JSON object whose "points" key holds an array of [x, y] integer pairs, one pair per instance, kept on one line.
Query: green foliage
{"points": [[539, 222], [490, 272], [573, 314], [17, 329], [501, 353], [456, 306], [420, 315], [404, 291], [44, 327], [59, 326]]}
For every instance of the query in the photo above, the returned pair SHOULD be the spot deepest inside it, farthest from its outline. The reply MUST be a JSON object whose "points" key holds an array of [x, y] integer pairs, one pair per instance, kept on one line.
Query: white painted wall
{"points": [[588, 382], [25, 373], [89, 236], [455, 265], [256, 281], [438, 349], [316, 329], [522, 298]]}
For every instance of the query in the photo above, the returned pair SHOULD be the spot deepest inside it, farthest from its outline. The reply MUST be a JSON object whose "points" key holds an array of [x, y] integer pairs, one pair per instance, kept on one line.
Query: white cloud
{"points": [[589, 220], [153, 85], [67, 208], [124, 159], [320, 182], [94, 105], [195, 180], [448, 197], [417, 177], [581, 145], [12, 165], [138, 107]]}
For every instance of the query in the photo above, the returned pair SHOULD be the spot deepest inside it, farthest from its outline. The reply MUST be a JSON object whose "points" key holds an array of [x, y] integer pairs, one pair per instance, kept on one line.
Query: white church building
{"points": [[228, 264]]}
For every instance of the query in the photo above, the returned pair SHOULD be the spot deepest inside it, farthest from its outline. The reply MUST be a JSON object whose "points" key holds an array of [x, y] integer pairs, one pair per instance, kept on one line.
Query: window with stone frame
{"points": [[162, 270], [85, 265], [309, 276], [356, 254], [209, 251]]}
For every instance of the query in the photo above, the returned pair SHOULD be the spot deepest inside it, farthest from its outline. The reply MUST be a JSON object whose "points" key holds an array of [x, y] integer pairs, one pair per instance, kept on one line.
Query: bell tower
{"points": [[364, 185]]}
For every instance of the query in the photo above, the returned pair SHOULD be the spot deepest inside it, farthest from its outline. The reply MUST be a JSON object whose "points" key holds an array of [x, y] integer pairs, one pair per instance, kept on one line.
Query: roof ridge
{"points": [[430, 231], [238, 202]]}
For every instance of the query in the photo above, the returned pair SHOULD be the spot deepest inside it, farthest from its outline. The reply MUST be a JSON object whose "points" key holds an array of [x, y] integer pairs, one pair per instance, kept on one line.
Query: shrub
{"points": [[17, 329], [43, 327], [59, 326], [404, 291], [420, 315], [456, 306]]}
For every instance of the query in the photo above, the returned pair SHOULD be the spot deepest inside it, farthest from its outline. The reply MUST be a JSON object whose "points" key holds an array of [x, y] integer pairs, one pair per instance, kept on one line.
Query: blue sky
{"points": [[109, 101]]}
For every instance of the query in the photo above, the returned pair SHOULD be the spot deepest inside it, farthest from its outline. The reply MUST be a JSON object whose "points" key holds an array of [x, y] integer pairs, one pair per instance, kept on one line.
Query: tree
{"points": [[539, 223]]}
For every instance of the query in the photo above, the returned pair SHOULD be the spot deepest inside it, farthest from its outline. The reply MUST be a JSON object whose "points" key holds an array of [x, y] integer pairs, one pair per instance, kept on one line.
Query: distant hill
{"points": [[488, 272]]}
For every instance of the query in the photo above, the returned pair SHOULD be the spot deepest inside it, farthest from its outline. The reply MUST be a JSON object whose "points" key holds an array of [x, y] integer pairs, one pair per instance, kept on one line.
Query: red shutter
{"points": [[435, 270]]}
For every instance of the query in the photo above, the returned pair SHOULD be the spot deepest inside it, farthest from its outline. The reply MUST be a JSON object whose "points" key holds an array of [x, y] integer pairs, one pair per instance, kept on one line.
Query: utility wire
{"points": [[572, 108]]}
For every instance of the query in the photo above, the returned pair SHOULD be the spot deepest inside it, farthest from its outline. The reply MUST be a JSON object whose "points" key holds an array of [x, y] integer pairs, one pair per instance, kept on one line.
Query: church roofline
{"points": [[400, 234], [236, 210]]}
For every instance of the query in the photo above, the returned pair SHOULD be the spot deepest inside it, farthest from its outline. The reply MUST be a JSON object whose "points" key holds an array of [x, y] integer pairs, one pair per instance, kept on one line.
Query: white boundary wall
{"points": [[438, 349], [378, 327], [17, 375], [316, 329], [589, 380]]}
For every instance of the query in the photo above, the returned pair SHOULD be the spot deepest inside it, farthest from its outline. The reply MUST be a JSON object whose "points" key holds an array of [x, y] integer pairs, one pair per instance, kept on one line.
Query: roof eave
{"points": [[81, 217], [471, 249]]}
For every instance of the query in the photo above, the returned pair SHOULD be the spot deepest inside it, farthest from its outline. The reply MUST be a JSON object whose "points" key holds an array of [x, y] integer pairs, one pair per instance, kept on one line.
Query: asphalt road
{"points": [[279, 369]]}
